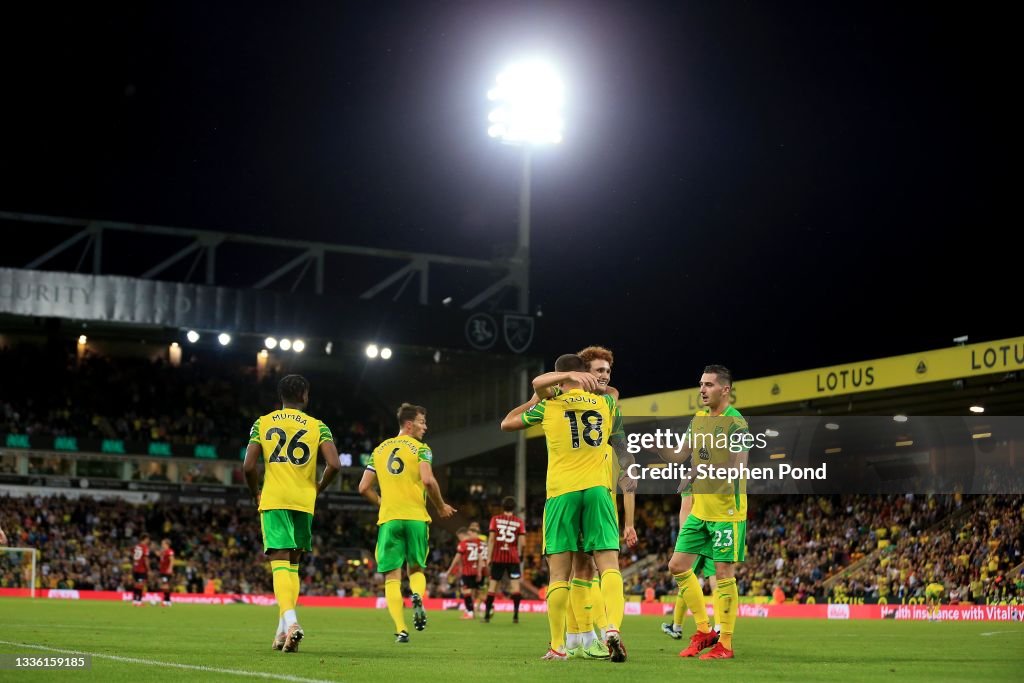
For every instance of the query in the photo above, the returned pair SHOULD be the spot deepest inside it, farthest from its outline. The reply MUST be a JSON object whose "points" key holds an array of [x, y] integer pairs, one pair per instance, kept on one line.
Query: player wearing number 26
{"points": [[288, 442], [401, 466]]}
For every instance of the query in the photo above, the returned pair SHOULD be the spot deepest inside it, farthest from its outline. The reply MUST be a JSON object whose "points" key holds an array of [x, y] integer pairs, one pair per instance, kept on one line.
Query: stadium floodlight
{"points": [[372, 351], [270, 342], [285, 344], [82, 339], [977, 409], [899, 418], [192, 336], [328, 348], [831, 426], [528, 101], [385, 353], [224, 338], [298, 346]]}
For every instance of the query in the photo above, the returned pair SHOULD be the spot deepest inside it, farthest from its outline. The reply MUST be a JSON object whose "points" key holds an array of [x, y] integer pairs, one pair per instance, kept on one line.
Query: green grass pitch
{"points": [[233, 643]]}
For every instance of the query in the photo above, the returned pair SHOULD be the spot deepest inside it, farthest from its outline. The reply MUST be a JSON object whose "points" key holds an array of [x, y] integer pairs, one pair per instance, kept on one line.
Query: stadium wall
{"points": [[784, 611]]}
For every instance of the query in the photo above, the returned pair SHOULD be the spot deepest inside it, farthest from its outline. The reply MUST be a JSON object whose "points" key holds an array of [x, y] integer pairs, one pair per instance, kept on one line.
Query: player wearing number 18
{"points": [[288, 440], [402, 468], [579, 515]]}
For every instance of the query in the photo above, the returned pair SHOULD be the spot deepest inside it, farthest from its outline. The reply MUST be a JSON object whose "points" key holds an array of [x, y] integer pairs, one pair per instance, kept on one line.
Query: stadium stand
{"points": [[970, 544]]}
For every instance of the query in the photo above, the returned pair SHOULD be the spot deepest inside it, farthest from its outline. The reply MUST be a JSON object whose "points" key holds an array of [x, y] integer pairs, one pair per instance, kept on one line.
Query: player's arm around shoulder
{"points": [[524, 416], [545, 385]]}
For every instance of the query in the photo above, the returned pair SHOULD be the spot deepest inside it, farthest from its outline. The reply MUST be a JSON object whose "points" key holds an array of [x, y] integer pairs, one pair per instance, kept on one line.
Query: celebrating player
{"points": [[288, 440], [140, 569], [587, 608], [578, 505], [716, 526], [505, 541], [469, 561], [401, 466], [166, 570]]}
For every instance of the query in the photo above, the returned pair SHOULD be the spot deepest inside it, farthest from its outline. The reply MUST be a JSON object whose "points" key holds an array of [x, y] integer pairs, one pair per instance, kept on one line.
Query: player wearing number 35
{"points": [[401, 466], [288, 441]]}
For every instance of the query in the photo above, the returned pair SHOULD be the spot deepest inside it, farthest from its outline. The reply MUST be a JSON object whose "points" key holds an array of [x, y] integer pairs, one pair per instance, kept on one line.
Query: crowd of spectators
{"points": [[968, 544], [971, 555]]}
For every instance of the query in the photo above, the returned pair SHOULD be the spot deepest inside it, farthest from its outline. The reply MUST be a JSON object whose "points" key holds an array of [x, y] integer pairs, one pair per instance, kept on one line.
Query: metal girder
{"points": [[511, 272], [69, 242], [171, 260], [298, 260]]}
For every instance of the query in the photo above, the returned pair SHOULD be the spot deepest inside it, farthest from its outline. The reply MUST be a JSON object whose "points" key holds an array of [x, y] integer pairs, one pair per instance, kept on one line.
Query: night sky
{"points": [[766, 185]]}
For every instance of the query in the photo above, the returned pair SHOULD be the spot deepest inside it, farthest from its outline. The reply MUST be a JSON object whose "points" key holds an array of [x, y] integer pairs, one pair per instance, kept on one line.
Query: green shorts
{"points": [[286, 530], [401, 542], [704, 566], [580, 521], [721, 541]]}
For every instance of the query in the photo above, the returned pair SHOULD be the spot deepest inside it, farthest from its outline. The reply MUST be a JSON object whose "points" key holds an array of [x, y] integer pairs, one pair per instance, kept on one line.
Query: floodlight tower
{"points": [[527, 112]]}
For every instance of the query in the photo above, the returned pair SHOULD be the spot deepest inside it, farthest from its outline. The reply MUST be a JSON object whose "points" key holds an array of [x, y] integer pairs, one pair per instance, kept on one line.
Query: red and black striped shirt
{"points": [[507, 529]]}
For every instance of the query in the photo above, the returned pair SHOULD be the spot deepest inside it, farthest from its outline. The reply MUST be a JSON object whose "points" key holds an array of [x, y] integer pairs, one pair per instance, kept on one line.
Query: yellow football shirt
{"points": [[714, 439], [397, 464], [290, 440], [576, 426]]}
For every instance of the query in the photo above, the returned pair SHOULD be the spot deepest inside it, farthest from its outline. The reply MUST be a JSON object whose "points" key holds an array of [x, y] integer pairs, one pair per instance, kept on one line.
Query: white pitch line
{"points": [[172, 665], [995, 633]]}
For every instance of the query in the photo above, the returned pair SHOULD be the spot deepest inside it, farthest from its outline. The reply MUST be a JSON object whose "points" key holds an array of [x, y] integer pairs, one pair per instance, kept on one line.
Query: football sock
{"points": [[393, 596], [490, 602], [572, 640], [579, 600], [614, 600], [281, 628], [418, 584], [716, 602], [558, 603], [728, 597], [598, 613], [296, 583], [516, 599], [283, 590], [572, 624], [468, 600], [679, 612], [689, 591]]}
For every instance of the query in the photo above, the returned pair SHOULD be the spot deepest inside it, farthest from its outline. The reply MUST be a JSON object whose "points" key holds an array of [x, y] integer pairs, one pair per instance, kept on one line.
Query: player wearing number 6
{"points": [[402, 467], [288, 440]]}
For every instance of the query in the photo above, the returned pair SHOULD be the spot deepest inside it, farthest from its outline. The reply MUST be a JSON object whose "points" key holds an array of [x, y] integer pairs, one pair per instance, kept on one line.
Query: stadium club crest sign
{"points": [[518, 332], [481, 331]]}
